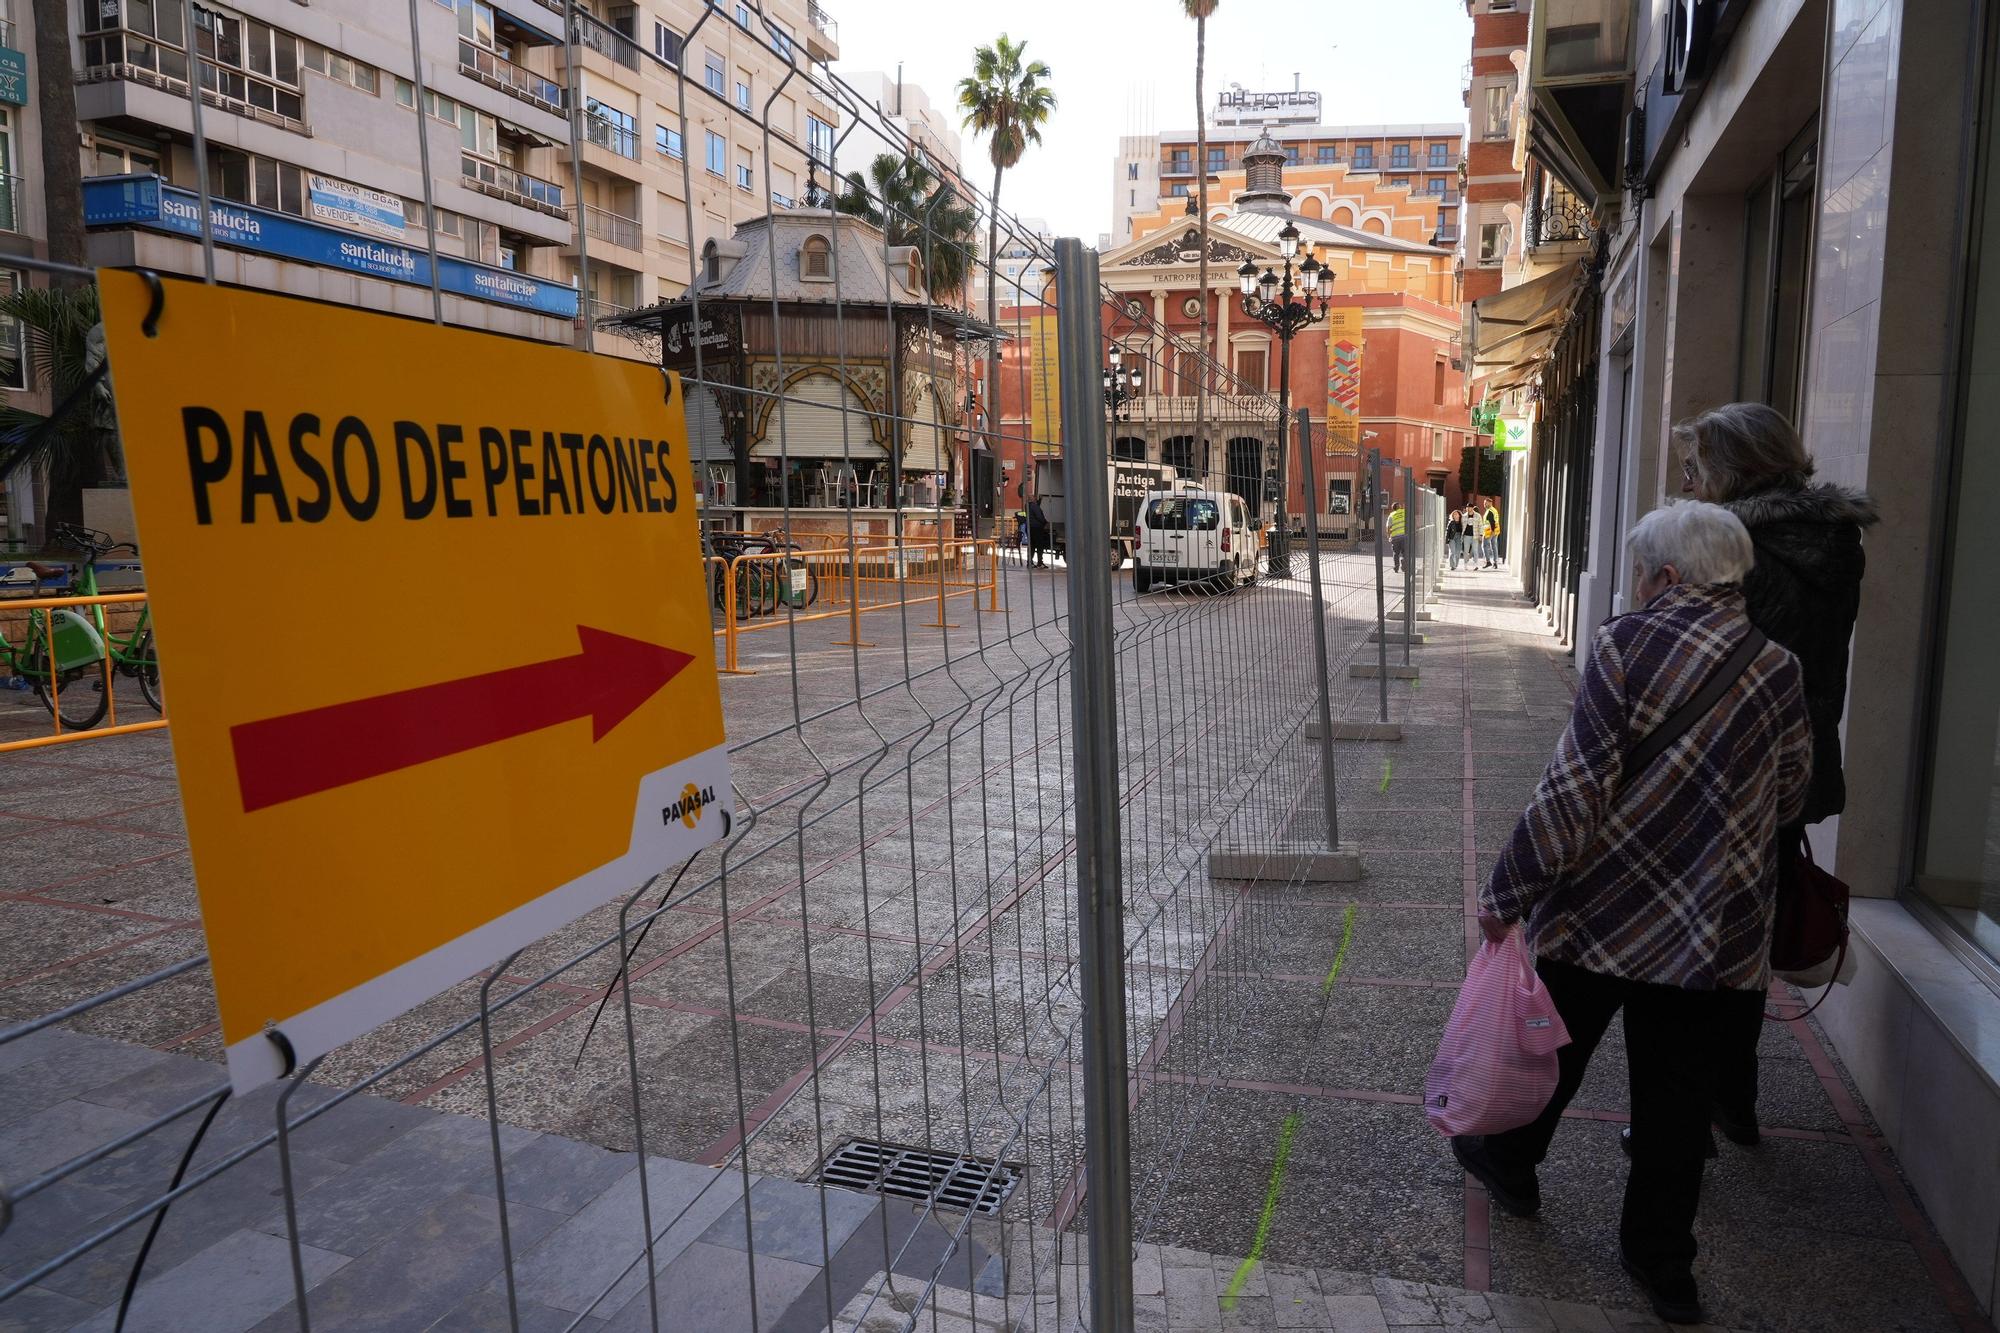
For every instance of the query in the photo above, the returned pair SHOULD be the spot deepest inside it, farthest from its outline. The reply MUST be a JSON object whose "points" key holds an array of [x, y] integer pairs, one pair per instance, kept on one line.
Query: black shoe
{"points": [[1518, 1193], [1738, 1129], [1674, 1295]]}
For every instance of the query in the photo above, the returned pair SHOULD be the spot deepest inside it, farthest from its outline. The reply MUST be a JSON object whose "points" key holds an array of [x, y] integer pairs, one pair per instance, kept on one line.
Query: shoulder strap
{"points": [[1640, 756]]}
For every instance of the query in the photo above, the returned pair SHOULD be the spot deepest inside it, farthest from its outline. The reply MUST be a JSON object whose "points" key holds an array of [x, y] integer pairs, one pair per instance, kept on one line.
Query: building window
{"points": [[1251, 369], [1498, 121], [1440, 159], [1328, 154], [1494, 240], [667, 141], [718, 154], [605, 126], [743, 17], [1218, 159], [743, 90], [1131, 171], [1777, 271], [152, 37], [1399, 156], [819, 140], [1181, 162], [247, 61], [666, 44], [111, 158], [13, 338], [1364, 157], [1435, 185], [341, 68], [1403, 181], [1437, 445], [1178, 190], [745, 170], [1292, 154], [251, 178], [711, 73], [1437, 382]]}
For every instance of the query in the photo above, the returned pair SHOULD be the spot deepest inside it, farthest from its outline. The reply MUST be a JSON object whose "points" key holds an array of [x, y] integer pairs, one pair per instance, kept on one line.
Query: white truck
{"points": [[1129, 483]]}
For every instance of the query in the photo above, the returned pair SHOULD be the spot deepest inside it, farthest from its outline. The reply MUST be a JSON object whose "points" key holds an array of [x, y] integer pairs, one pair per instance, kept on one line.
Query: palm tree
{"points": [[1007, 99], [913, 207], [65, 345], [62, 168], [1199, 10]]}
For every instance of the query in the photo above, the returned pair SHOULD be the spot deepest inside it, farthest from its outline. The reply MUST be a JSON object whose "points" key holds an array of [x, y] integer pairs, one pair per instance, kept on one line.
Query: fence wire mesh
{"points": [[832, 1069]]}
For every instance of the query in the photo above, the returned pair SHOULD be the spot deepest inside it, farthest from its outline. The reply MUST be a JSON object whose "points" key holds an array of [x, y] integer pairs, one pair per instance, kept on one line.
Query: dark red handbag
{"points": [[1811, 924]]}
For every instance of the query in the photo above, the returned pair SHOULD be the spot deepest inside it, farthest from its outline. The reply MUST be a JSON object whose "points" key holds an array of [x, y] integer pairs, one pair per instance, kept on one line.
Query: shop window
{"points": [[1777, 277]]}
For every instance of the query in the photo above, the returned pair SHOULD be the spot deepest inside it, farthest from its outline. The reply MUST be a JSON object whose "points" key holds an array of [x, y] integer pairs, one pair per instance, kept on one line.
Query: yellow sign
{"points": [[1344, 347], [1044, 385], [438, 640]]}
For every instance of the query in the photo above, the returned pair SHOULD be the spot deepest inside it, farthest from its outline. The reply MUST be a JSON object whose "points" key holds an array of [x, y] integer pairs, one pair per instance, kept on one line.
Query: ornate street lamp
{"points": [[1120, 383], [1286, 303]]}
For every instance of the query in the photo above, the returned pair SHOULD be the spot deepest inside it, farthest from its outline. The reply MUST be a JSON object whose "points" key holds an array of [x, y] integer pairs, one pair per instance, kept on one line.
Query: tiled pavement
{"points": [[1813, 1231]]}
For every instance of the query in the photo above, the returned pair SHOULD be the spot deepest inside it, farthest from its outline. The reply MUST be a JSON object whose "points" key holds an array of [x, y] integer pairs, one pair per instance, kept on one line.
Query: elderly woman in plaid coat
{"points": [[1652, 891]]}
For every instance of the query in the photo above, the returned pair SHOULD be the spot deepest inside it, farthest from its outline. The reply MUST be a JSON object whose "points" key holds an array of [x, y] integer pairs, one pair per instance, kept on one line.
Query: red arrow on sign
{"points": [[280, 759]]}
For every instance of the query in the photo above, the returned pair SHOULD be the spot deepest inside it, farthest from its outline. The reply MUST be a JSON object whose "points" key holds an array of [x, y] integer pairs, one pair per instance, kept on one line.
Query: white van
{"points": [[1188, 534]]}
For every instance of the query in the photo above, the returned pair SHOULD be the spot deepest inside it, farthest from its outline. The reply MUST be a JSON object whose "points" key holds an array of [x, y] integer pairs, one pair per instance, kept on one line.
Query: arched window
{"points": [[816, 258], [1310, 207]]}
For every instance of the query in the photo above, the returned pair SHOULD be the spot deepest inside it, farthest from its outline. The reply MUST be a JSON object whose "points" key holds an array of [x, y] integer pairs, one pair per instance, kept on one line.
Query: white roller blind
{"points": [[924, 437], [811, 423], [706, 441]]}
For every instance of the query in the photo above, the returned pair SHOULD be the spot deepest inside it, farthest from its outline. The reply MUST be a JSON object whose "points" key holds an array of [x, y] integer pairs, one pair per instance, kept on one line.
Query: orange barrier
{"points": [[768, 589], [107, 665]]}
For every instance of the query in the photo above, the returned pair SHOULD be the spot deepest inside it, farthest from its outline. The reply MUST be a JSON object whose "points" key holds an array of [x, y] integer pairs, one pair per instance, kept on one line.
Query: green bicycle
{"points": [[72, 643]]}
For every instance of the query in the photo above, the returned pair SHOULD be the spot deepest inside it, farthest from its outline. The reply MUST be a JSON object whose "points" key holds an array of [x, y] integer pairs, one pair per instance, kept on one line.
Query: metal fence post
{"points": [[1409, 562], [1309, 474], [1093, 692], [1376, 495]]}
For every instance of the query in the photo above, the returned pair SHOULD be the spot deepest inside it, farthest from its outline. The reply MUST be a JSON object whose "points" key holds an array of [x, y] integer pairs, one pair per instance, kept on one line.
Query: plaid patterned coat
{"points": [[1668, 877]]}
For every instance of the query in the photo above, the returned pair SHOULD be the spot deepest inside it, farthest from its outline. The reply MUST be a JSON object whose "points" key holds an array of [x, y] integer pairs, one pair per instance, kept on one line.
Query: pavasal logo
{"points": [[689, 807]]}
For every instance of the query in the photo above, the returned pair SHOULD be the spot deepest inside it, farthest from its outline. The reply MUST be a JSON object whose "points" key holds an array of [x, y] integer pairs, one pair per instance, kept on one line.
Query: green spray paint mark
{"points": [[1346, 934], [1388, 766], [1271, 1192]]}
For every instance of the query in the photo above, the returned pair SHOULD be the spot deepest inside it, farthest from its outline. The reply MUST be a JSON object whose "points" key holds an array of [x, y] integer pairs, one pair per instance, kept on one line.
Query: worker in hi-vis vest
{"points": [[1398, 525]]}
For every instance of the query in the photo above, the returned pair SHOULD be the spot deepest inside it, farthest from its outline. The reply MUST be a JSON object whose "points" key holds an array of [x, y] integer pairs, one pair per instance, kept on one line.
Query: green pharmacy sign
{"points": [[1512, 433]]}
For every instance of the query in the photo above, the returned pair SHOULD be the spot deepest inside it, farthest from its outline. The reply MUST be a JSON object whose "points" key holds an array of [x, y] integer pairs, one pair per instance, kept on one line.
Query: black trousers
{"points": [[1671, 1040], [1736, 1068]]}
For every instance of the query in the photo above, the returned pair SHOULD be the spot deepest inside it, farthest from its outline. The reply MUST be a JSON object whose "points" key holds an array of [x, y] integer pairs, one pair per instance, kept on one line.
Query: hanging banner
{"points": [[1044, 385], [1512, 433], [1343, 380], [354, 207], [498, 747]]}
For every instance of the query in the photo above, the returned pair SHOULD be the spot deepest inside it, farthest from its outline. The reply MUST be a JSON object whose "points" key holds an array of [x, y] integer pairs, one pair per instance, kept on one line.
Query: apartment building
{"points": [[1021, 264], [1154, 167], [1491, 84], [904, 115], [695, 117], [316, 146]]}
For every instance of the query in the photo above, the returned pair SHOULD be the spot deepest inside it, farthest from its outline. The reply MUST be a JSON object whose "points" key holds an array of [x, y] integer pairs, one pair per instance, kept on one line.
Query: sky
{"points": [[1126, 67]]}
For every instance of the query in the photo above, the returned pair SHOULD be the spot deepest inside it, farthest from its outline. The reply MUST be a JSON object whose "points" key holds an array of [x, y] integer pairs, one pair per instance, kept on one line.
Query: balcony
{"points": [[225, 88], [11, 199], [516, 187], [496, 71], [1177, 166], [823, 41], [607, 42], [602, 310], [1167, 408], [1556, 217], [617, 138], [601, 224]]}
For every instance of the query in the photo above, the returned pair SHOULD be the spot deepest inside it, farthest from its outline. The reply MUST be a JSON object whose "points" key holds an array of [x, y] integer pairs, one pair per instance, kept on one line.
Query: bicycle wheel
{"points": [[746, 592], [79, 694], [147, 668]]}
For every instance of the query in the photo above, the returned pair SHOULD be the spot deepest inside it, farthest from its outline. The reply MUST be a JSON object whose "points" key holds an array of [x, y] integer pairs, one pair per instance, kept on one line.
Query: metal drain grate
{"points": [[972, 1184]]}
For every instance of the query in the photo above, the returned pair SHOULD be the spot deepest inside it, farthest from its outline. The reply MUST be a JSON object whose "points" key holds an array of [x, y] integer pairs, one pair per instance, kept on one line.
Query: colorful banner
{"points": [[1512, 433], [1344, 345]]}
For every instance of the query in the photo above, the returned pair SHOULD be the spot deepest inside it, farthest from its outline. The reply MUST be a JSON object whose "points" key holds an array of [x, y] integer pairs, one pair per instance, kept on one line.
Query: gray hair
{"points": [[1705, 542], [1740, 448]]}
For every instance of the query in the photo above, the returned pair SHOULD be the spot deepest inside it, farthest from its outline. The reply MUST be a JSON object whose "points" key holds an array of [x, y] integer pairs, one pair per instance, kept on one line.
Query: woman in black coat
{"points": [[1803, 593]]}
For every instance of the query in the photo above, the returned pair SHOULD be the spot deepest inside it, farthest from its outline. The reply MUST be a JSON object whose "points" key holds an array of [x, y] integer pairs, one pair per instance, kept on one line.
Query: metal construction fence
{"points": [[1003, 891]]}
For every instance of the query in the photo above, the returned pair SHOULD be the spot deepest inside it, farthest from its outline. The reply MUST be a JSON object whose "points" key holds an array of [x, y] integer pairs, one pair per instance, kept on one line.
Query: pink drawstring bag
{"points": [[1496, 1065]]}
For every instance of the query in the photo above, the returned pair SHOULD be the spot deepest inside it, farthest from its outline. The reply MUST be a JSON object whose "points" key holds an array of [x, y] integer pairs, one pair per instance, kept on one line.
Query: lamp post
{"points": [[1120, 383], [1285, 303]]}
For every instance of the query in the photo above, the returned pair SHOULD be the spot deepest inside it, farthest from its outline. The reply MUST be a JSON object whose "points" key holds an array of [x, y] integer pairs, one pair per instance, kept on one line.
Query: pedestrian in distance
{"points": [[1452, 532], [1644, 871], [1398, 529], [1803, 593], [1490, 530], [1038, 531]]}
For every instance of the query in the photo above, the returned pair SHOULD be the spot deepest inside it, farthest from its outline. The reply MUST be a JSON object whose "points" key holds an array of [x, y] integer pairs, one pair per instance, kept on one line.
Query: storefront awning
{"points": [[1514, 331]]}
